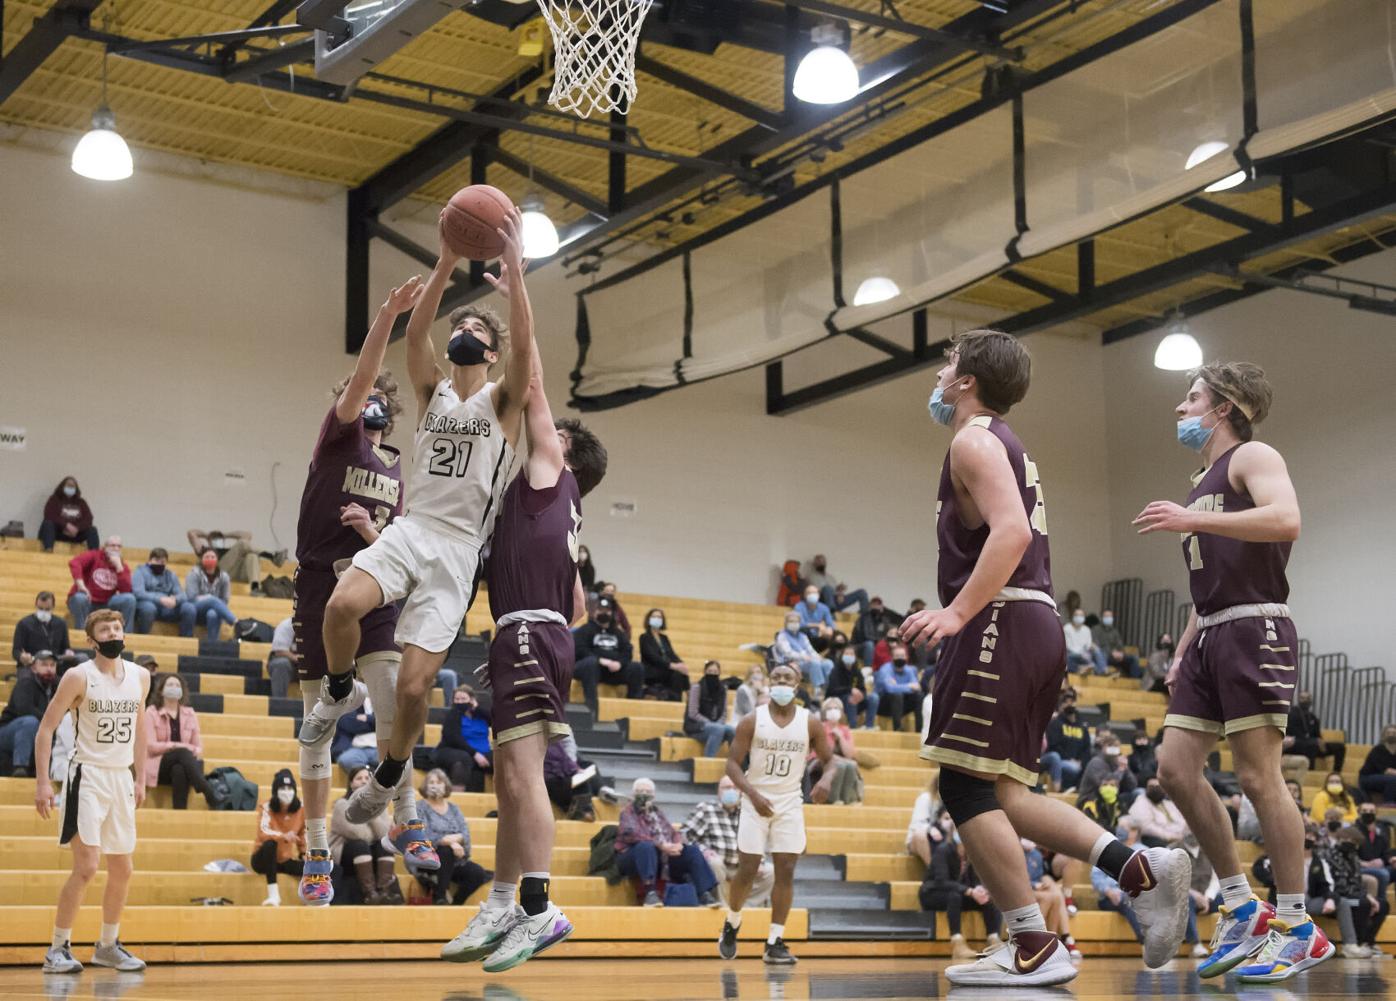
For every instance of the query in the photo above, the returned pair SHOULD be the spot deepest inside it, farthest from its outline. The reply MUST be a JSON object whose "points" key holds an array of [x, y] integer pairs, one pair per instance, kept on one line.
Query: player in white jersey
{"points": [[778, 738], [467, 429], [106, 696]]}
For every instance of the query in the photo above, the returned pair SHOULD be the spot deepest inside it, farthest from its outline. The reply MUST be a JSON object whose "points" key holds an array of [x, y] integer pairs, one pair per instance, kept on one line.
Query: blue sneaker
{"points": [[1287, 951], [409, 840], [315, 889]]}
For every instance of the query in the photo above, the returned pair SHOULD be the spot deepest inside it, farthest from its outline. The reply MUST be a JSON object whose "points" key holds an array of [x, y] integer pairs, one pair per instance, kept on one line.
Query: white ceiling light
{"points": [[827, 74], [1229, 181], [539, 234], [1203, 153], [102, 154], [878, 288], [1179, 350]]}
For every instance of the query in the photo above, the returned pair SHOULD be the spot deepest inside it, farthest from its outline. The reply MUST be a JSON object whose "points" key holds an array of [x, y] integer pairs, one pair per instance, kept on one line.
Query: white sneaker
{"points": [[1162, 909], [1030, 959], [1200, 951], [319, 724], [1356, 952], [528, 938], [117, 957], [486, 930], [60, 960]]}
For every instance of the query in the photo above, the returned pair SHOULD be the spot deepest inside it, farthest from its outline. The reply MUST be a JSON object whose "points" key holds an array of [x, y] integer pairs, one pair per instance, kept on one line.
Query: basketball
{"points": [[471, 220]]}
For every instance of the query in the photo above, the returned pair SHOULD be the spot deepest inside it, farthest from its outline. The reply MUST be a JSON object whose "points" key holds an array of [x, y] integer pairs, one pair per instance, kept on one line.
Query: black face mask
{"points": [[603, 620], [1335, 825], [1069, 715], [1155, 795], [111, 648], [1367, 819], [466, 349], [1308, 846], [899, 661], [376, 413]]}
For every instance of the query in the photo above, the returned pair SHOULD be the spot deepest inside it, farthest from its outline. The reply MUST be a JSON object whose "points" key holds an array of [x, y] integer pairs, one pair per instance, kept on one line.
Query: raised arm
{"points": [[421, 354], [545, 459], [1257, 470], [512, 393], [400, 300]]}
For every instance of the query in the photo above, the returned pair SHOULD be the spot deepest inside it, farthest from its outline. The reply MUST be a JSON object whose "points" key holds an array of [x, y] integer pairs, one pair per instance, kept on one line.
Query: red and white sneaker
{"points": [[1029, 959]]}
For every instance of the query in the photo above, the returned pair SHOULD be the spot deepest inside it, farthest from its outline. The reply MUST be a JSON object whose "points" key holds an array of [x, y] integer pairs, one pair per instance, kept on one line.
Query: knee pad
{"points": [[966, 797], [315, 762], [379, 673]]}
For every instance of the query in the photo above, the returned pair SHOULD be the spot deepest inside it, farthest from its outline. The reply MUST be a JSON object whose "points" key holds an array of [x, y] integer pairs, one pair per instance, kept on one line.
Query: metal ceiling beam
{"points": [[899, 26], [214, 38], [43, 38], [713, 95], [271, 59], [877, 341], [272, 15], [1224, 213], [549, 181]]}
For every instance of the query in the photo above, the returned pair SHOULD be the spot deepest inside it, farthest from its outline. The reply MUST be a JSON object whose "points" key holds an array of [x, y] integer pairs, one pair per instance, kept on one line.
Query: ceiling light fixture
{"points": [[878, 288], [1203, 153], [1179, 350], [102, 154], [826, 74], [539, 234]]}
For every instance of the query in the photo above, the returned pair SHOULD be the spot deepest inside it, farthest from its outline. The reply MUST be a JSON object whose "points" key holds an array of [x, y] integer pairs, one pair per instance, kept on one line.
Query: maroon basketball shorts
{"points": [[530, 672], [996, 687], [313, 590], [1236, 676]]}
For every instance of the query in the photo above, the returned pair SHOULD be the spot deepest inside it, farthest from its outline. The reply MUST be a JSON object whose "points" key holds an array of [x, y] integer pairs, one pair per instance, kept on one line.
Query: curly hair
{"points": [[386, 386], [1241, 384], [485, 315], [586, 456]]}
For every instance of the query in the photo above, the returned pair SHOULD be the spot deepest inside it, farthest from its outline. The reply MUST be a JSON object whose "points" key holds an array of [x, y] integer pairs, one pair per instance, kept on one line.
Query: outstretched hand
{"points": [[405, 296], [512, 261], [1163, 516]]}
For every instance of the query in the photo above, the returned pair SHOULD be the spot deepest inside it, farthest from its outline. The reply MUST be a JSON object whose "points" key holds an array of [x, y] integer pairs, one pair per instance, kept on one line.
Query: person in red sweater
{"points": [[101, 579], [67, 517]]}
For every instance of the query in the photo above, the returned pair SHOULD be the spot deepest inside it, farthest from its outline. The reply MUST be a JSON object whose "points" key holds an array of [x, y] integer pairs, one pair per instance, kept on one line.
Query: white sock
{"points": [[61, 937], [734, 918], [1027, 918], [109, 933], [501, 895], [316, 835], [404, 802], [777, 931], [1236, 891], [1289, 908], [1105, 840], [274, 892]]}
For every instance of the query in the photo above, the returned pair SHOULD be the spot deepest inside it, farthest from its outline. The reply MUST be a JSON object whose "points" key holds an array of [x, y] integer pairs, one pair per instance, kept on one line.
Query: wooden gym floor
{"points": [[668, 980]]}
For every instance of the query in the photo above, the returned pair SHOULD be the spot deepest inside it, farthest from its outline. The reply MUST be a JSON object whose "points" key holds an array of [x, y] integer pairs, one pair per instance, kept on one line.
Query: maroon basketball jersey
{"points": [[960, 546], [345, 468], [1225, 572], [533, 556]]}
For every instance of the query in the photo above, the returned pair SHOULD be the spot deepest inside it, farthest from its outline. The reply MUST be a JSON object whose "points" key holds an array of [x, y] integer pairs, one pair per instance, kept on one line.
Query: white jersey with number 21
{"points": [[460, 461], [777, 759]]}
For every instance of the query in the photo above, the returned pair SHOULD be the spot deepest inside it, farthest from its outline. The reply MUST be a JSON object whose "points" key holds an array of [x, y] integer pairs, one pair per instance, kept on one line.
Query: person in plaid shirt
{"points": [[648, 846], [712, 826]]}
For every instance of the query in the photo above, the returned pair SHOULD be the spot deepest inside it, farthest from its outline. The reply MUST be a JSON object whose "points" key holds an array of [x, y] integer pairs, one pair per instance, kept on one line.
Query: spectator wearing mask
{"points": [[847, 783], [1367, 914], [1109, 759], [1304, 735], [159, 598], [29, 700], [101, 579], [706, 715], [464, 753], [923, 834], [712, 826], [586, 569], [898, 689], [1377, 777], [953, 887], [749, 693], [647, 848], [1070, 605], [1049, 896], [571, 783], [871, 627], [833, 593], [1156, 669], [210, 590], [665, 672], [607, 590], [1160, 821], [40, 630], [449, 834], [847, 684], [236, 557], [1081, 649], [603, 656], [356, 740], [792, 646], [67, 517], [1106, 637], [1375, 849], [1143, 761], [1068, 747], [1334, 794], [1110, 896], [1104, 806], [358, 848], [882, 652], [281, 662], [279, 844], [816, 621], [173, 746]]}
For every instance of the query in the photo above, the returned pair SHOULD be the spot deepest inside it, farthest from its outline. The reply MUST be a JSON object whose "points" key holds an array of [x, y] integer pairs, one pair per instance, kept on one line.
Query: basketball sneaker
{"points": [[316, 889], [60, 960], [1239, 934], [116, 957], [528, 938], [1158, 880], [483, 935], [1287, 951], [777, 953], [1028, 959], [319, 724], [727, 941], [369, 800], [409, 841]]}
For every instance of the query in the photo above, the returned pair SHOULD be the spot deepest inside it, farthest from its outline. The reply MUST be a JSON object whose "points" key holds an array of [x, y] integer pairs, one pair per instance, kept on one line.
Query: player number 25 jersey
{"points": [[107, 716], [777, 759], [459, 465]]}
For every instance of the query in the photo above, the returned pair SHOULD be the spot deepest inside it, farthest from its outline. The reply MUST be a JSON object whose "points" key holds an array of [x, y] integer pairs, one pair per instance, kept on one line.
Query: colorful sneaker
{"points": [[319, 724], [528, 938], [1287, 951], [1028, 959], [368, 801], [1239, 934], [482, 936], [316, 889], [409, 841], [60, 960], [1158, 880], [116, 957]]}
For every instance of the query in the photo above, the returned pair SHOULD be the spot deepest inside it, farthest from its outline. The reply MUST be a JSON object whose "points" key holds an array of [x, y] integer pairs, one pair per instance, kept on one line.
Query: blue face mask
{"points": [[941, 412], [1192, 434], [730, 797], [782, 695]]}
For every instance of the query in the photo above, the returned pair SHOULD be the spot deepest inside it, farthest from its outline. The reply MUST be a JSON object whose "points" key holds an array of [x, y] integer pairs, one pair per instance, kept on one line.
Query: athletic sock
{"points": [[316, 835], [389, 771], [501, 895], [1236, 891], [1028, 918], [340, 685], [61, 937], [1110, 855], [734, 918], [777, 931], [1289, 908], [109, 933], [274, 892], [404, 802], [533, 892]]}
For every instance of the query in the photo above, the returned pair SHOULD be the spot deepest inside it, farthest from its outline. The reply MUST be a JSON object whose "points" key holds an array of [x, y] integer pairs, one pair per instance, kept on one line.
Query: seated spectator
{"points": [[712, 826], [159, 596], [1049, 896], [1104, 806], [586, 569], [279, 844], [173, 747], [1304, 735], [356, 740], [666, 675], [846, 786], [1081, 649], [603, 656], [647, 848], [464, 752], [1377, 777], [1248, 822], [847, 684], [831, 592], [20, 720], [607, 589], [40, 630], [1376, 849], [67, 517], [449, 834], [1107, 638], [1156, 670], [1070, 605], [923, 834], [1110, 896], [358, 848], [101, 579], [210, 590], [236, 557], [952, 886], [1334, 794], [1160, 821], [898, 689], [792, 646], [1143, 761], [749, 693], [1108, 760], [882, 652], [1366, 915], [871, 627], [1296, 791], [1068, 747], [571, 782], [281, 662], [706, 716], [816, 621]]}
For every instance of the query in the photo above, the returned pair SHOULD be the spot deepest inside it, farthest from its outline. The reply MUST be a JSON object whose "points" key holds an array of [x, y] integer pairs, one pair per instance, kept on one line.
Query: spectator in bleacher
{"points": [[666, 675], [923, 834], [1068, 746], [792, 646], [1341, 854], [1377, 776], [569, 794], [40, 630], [28, 701], [210, 590], [1110, 896], [882, 652], [1106, 637], [159, 596], [1320, 898], [872, 626], [101, 579], [1334, 794], [464, 752], [1069, 606], [712, 826], [356, 739], [1160, 821], [705, 718], [1143, 761], [847, 684], [1248, 822], [603, 656], [833, 593], [749, 693], [648, 847], [1304, 735], [1049, 896], [279, 844], [236, 557], [1104, 806], [1109, 759], [281, 662], [953, 887], [1156, 670], [607, 589], [898, 689], [173, 746], [846, 786], [586, 569], [816, 620], [1376, 849], [1081, 649], [358, 848], [449, 834], [67, 517]]}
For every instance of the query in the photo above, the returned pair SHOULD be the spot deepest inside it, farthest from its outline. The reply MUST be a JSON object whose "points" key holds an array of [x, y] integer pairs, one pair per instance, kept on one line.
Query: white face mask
{"points": [[435, 790], [70, 491], [833, 715], [1107, 621], [284, 795], [656, 622], [172, 690], [1078, 620], [43, 614]]}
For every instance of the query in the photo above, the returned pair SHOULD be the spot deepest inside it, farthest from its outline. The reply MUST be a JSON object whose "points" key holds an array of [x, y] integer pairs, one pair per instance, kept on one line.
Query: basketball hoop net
{"points": [[594, 44]]}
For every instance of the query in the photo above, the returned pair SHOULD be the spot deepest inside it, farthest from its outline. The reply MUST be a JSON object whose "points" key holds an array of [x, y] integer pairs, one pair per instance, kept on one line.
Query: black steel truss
{"points": [[43, 39]]}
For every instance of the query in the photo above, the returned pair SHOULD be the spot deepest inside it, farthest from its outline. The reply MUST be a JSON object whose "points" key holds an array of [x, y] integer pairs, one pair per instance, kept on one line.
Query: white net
{"points": [[594, 45]]}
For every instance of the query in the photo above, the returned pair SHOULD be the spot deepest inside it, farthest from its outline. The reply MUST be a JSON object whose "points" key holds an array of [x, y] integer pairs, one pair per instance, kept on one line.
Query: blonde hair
{"points": [[98, 617], [445, 780], [1241, 384]]}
